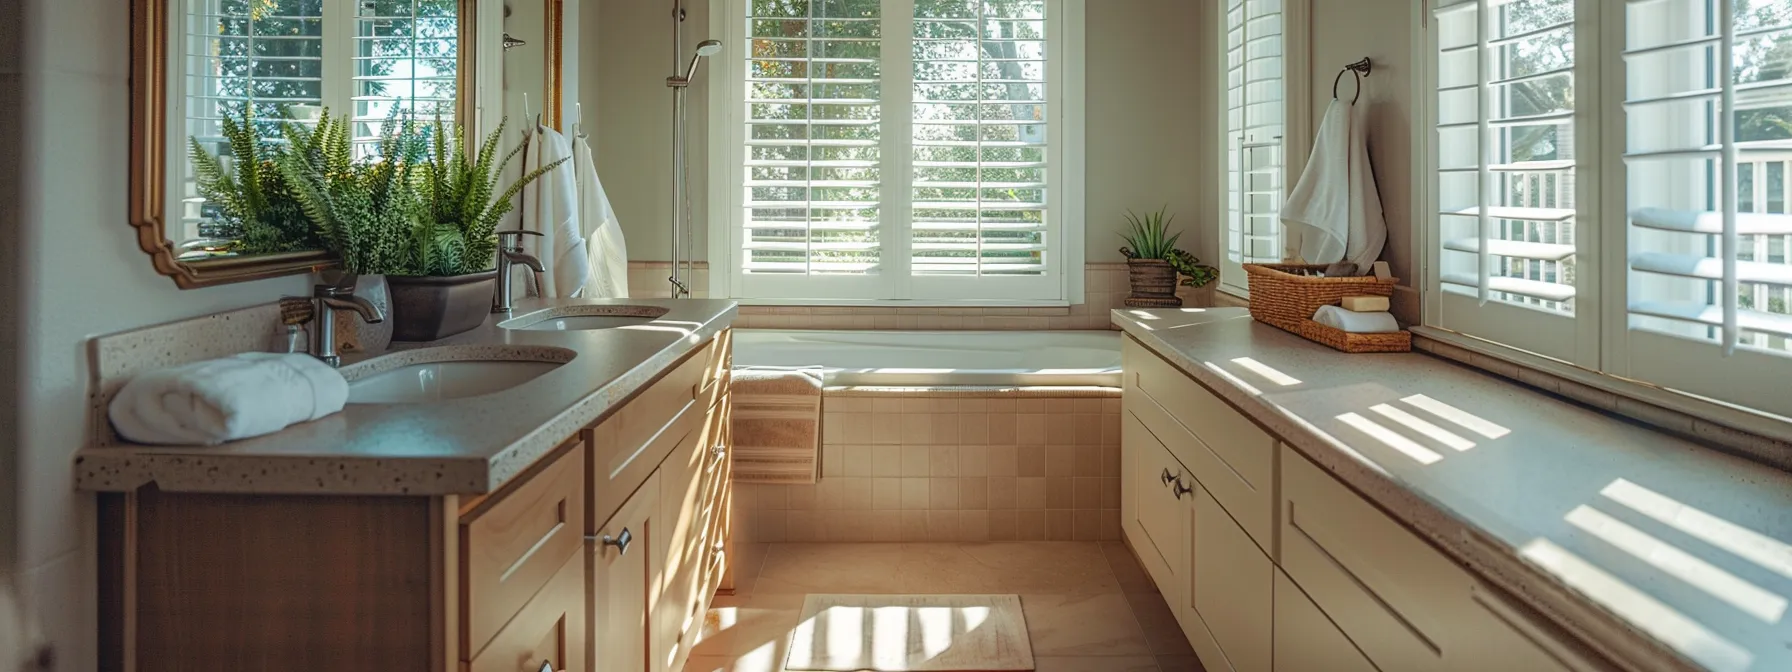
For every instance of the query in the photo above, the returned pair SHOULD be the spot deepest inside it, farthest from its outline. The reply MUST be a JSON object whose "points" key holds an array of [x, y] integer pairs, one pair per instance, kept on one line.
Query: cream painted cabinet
{"points": [[1306, 640], [625, 579], [1230, 590], [1271, 564], [548, 633]]}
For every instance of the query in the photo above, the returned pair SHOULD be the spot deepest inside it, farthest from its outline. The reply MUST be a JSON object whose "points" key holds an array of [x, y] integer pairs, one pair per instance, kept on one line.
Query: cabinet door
{"points": [[548, 632], [1156, 528], [681, 543], [1231, 591], [1306, 640], [625, 580]]}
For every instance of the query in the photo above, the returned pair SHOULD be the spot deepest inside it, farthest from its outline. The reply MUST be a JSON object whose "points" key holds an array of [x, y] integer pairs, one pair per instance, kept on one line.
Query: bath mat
{"points": [[910, 633], [776, 425]]}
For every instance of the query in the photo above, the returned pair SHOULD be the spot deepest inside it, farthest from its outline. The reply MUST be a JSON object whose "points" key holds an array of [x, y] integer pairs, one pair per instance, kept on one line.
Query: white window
{"points": [[287, 60], [900, 149], [1685, 280], [1256, 125]]}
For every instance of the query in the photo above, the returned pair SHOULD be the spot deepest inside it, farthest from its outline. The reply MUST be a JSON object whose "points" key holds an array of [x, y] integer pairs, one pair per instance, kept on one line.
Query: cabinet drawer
{"points": [[1226, 452], [1158, 514], [1231, 591], [1306, 640], [549, 630], [512, 545], [1394, 595], [630, 444], [720, 362]]}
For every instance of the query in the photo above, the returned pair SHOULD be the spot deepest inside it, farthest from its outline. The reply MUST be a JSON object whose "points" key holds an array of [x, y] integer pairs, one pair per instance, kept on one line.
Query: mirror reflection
{"points": [[241, 70]]}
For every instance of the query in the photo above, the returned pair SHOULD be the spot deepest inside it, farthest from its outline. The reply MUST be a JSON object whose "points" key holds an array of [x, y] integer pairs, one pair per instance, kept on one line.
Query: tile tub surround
{"points": [[1104, 286], [1089, 606], [1516, 487], [463, 446], [1021, 464]]}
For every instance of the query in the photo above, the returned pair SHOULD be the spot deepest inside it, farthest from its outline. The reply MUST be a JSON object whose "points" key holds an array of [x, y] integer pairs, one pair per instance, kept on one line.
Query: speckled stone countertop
{"points": [[1658, 552], [460, 446]]}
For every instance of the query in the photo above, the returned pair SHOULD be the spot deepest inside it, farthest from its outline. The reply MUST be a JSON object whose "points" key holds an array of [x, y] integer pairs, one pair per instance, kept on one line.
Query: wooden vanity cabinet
{"points": [[1271, 564], [603, 555]]}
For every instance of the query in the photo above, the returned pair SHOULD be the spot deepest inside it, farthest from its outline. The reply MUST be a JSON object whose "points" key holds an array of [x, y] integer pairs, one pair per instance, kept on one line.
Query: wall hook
{"points": [[1358, 70]]}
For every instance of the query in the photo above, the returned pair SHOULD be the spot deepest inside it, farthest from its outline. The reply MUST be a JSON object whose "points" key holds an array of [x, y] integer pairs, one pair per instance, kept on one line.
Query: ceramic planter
{"points": [[1153, 284], [431, 308]]}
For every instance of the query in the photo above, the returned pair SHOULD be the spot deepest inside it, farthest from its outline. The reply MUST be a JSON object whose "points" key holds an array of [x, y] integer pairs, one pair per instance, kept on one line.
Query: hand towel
{"points": [[605, 250], [554, 211], [210, 402], [1334, 212], [1356, 323], [776, 425]]}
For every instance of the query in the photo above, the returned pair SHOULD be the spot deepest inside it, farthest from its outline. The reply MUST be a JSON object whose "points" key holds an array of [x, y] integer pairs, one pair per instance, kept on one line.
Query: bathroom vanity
{"points": [[577, 519], [1305, 510]]}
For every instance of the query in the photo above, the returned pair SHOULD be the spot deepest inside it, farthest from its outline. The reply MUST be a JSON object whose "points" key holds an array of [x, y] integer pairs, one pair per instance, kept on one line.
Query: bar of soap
{"points": [[1365, 304]]}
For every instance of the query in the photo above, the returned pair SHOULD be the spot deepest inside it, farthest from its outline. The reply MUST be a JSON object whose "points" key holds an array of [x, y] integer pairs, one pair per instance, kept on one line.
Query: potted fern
{"points": [[1155, 264], [255, 207], [421, 213]]}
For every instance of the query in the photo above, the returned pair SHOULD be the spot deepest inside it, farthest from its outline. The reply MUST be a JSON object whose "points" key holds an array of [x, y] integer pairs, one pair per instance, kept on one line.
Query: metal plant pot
{"points": [[431, 308]]}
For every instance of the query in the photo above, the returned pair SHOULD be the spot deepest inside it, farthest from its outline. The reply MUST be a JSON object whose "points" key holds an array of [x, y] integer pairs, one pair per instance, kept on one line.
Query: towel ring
{"points": [[1358, 71]]}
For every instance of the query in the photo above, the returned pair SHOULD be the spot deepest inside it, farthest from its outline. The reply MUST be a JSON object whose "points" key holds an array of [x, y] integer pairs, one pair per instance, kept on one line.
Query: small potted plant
{"points": [[1154, 263], [422, 214], [255, 210], [1195, 288]]}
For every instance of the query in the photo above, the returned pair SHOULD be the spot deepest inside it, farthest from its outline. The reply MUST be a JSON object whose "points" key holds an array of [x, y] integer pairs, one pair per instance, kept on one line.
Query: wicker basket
{"points": [[1283, 299], [1286, 300], [1338, 339], [1153, 284]]}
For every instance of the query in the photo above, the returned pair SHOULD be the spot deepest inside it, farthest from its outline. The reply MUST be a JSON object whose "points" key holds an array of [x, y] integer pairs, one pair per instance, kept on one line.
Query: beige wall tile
{"points": [[858, 460], [942, 460], [774, 497], [1002, 461], [973, 460], [1110, 493], [886, 526], [830, 494], [1060, 492], [855, 493], [945, 428], [942, 494], [942, 526], [1110, 461], [886, 460], [886, 428], [1110, 524], [915, 460], [914, 526], [1088, 493], [917, 428], [1029, 525], [856, 428], [1032, 428], [886, 494], [802, 497], [1058, 525], [973, 492], [1030, 493], [973, 526], [805, 526], [833, 460], [914, 494], [1060, 429], [1060, 461], [1029, 405], [1088, 460], [772, 527], [1088, 429], [1003, 492], [1086, 525], [1030, 460], [1001, 525]]}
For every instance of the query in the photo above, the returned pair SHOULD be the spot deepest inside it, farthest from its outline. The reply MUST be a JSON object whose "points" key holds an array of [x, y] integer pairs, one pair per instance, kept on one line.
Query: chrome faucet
{"points": [[329, 298], [510, 253]]}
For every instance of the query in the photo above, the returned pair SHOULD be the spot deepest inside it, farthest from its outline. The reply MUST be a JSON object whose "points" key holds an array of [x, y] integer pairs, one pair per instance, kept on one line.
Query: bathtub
{"points": [[939, 358]]}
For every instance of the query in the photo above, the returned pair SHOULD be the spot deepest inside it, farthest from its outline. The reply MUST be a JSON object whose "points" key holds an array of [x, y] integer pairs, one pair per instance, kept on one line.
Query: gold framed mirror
{"points": [[195, 61]]}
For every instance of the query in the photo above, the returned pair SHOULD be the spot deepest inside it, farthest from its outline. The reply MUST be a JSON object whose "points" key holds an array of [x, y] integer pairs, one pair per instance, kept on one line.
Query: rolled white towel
{"points": [[1356, 323], [210, 402]]}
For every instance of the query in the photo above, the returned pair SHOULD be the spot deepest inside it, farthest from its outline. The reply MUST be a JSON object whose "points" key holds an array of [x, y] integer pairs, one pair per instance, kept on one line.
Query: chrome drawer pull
{"points": [[1179, 489], [719, 451], [620, 541]]}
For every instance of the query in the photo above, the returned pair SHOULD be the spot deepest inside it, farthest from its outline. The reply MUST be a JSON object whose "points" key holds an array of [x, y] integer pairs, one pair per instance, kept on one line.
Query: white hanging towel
{"points": [[605, 251], [1334, 212], [553, 210]]}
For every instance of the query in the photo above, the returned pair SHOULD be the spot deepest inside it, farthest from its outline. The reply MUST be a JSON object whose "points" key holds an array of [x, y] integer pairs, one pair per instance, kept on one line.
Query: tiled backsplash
{"points": [[1105, 285], [951, 468]]}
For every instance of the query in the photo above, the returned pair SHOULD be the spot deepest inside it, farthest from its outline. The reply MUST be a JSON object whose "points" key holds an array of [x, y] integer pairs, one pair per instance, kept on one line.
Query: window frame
{"points": [[1603, 342], [1061, 284], [1297, 130]]}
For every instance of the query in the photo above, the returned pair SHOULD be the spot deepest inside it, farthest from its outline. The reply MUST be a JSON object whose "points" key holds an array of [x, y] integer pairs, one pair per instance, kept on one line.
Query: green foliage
{"points": [[1149, 236], [456, 233], [363, 210], [256, 206]]}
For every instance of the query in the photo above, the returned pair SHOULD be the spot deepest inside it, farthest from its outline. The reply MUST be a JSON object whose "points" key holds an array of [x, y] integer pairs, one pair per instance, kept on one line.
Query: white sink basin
{"points": [[582, 318], [441, 381]]}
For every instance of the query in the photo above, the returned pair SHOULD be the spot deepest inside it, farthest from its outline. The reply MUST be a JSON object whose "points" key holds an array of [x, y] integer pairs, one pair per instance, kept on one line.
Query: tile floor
{"points": [[1089, 606]]}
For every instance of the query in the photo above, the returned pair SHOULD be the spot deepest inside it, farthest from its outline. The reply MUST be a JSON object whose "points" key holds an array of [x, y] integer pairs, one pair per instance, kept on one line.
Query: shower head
{"points": [[709, 48], [705, 49]]}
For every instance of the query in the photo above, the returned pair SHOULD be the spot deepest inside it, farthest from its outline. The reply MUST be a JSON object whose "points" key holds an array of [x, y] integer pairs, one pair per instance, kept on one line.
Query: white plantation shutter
{"points": [[1255, 125], [980, 140], [286, 60], [1710, 234], [813, 139], [1505, 233], [896, 149], [405, 57]]}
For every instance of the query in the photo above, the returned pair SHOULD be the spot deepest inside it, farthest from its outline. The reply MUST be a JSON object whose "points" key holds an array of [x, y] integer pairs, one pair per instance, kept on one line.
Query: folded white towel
{"points": [[210, 402], [1356, 323]]}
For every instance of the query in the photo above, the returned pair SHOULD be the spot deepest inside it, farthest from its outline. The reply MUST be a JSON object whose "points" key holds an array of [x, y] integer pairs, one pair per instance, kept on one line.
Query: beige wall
{"points": [[1148, 134], [1344, 31]]}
